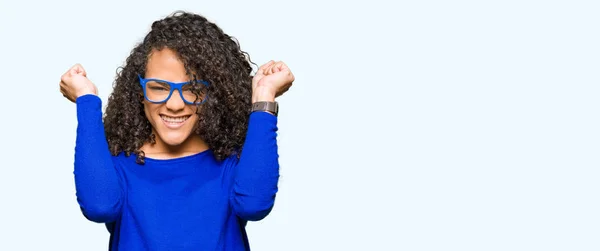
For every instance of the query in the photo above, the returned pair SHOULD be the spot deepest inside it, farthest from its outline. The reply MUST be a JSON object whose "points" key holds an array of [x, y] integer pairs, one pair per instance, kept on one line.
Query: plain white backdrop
{"points": [[412, 125]]}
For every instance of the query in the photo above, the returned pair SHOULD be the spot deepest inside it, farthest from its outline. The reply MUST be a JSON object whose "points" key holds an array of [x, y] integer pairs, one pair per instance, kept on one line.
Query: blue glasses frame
{"points": [[172, 86]]}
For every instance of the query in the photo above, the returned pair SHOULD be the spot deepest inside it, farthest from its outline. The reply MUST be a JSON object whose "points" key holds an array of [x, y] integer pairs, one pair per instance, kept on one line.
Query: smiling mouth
{"points": [[174, 120]]}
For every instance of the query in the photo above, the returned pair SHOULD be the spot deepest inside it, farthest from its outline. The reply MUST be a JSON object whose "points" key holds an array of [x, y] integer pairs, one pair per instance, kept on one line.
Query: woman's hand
{"points": [[74, 83], [271, 80]]}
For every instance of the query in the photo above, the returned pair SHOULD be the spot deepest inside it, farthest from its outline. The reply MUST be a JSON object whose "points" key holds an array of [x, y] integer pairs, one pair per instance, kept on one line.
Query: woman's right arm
{"points": [[98, 186]]}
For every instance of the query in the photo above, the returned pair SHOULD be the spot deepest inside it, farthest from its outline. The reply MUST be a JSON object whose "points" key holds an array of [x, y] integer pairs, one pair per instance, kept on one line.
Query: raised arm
{"points": [[98, 187], [257, 173]]}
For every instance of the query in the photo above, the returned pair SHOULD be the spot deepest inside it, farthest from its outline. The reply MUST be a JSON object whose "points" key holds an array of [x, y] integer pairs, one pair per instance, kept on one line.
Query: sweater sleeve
{"points": [[257, 172], [98, 187]]}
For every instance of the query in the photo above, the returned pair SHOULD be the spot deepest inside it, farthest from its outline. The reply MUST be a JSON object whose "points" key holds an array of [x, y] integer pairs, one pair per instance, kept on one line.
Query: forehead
{"points": [[165, 64]]}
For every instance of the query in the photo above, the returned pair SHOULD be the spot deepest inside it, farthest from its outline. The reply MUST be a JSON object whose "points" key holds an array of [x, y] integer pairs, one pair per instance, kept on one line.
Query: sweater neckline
{"points": [[177, 159]]}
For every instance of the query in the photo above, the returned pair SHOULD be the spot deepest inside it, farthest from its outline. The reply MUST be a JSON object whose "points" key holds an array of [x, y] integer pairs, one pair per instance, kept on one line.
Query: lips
{"points": [[174, 122], [170, 119]]}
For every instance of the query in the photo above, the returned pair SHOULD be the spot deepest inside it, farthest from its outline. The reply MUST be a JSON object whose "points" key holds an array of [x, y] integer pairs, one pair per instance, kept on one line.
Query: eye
{"points": [[157, 86]]}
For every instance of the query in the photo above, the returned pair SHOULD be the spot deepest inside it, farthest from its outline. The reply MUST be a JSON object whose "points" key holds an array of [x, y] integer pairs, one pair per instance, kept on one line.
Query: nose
{"points": [[175, 103]]}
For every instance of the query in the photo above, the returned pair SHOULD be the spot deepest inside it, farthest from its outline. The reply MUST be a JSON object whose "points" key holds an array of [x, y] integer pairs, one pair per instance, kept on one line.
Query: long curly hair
{"points": [[205, 50]]}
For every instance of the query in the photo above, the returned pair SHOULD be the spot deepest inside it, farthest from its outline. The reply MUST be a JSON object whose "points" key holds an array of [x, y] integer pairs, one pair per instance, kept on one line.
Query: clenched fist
{"points": [[74, 83], [271, 80]]}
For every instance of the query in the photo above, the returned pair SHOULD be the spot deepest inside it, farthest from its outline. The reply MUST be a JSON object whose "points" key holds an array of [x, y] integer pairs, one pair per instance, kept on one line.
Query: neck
{"points": [[192, 145]]}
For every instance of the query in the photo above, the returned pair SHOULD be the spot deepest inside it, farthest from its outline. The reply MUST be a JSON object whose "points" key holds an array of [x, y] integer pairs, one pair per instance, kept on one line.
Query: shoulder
{"points": [[230, 161], [123, 159]]}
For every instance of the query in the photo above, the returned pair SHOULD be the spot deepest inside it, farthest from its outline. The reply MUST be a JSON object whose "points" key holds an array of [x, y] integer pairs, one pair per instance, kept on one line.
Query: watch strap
{"points": [[266, 106]]}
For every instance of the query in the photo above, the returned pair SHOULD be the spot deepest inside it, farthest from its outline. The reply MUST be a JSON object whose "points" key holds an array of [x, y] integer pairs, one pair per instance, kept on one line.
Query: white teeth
{"points": [[174, 119]]}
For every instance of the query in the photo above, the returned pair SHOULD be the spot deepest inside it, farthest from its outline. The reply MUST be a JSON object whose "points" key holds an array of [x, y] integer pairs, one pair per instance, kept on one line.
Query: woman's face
{"points": [[173, 121]]}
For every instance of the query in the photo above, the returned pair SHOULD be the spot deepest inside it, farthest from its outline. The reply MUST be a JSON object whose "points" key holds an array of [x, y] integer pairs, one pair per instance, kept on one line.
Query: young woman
{"points": [[187, 151]]}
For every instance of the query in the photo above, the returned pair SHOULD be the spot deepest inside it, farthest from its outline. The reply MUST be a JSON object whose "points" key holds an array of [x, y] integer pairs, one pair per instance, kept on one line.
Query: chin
{"points": [[175, 137], [173, 141]]}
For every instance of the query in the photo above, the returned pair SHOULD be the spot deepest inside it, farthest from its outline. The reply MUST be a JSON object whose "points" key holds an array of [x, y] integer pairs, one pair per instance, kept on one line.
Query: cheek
{"points": [[196, 118], [149, 110], [195, 123]]}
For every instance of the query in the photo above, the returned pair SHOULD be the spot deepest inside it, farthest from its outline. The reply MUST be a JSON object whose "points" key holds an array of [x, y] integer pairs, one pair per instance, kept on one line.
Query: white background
{"points": [[414, 125]]}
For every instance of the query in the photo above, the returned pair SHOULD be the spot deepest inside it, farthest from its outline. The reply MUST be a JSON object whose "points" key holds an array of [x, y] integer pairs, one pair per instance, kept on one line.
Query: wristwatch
{"points": [[266, 106]]}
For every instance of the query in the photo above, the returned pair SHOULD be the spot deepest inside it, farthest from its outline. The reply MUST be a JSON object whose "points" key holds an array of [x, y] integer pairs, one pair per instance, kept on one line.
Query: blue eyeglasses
{"points": [[159, 91]]}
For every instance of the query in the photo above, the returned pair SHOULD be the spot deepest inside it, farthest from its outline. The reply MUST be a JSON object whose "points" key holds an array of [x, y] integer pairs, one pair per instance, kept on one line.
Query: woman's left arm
{"points": [[257, 173]]}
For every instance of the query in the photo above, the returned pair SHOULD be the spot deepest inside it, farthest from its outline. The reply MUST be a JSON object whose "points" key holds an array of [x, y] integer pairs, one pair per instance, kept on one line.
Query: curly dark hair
{"points": [[205, 50]]}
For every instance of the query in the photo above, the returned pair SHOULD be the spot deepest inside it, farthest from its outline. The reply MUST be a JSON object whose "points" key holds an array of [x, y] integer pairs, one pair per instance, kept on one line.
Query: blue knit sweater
{"points": [[188, 203]]}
